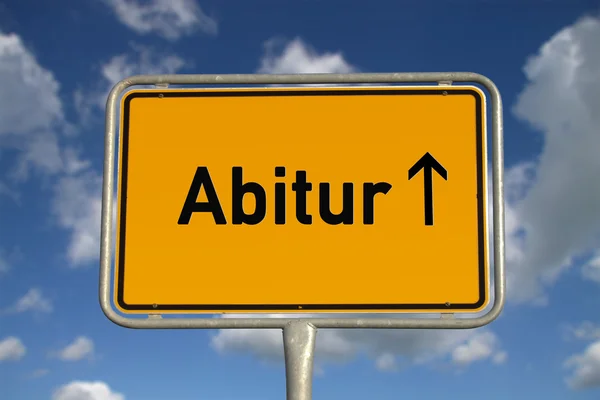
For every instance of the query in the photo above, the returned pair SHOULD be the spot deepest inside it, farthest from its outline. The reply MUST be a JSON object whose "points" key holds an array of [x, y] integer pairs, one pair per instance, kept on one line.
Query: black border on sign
{"points": [[304, 307]]}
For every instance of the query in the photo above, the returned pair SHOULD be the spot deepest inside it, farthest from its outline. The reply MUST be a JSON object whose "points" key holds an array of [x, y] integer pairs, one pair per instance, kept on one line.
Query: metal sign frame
{"points": [[446, 321]]}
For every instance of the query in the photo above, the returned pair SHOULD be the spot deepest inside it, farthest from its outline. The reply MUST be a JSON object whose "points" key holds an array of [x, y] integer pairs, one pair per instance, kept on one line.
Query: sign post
{"points": [[299, 346], [272, 199]]}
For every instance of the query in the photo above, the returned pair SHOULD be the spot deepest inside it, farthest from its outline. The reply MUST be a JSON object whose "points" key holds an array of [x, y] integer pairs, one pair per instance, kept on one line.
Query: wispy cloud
{"points": [[34, 301], [82, 347], [38, 373], [30, 110], [11, 349], [585, 368], [170, 19], [94, 390], [586, 330], [297, 57]]}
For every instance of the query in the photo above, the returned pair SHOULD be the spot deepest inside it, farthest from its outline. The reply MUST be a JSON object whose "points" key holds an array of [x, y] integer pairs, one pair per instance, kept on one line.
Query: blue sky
{"points": [[59, 59]]}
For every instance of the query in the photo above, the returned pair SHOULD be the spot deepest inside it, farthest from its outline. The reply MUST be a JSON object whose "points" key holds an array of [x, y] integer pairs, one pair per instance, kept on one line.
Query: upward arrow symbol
{"points": [[427, 163]]}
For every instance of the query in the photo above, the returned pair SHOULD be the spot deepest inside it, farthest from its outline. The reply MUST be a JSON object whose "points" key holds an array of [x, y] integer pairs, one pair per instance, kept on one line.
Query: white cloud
{"points": [[73, 163], [297, 57], [586, 368], [500, 357], [265, 344], [591, 269], [170, 19], [8, 259], [587, 330], [30, 109], [386, 362], [4, 265], [479, 347], [29, 99], [81, 348], [334, 345], [11, 349], [77, 206], [6, 190], [42, 151], [38, 373], [519, 179], [558, 218], [81, 390], [33, 300]]}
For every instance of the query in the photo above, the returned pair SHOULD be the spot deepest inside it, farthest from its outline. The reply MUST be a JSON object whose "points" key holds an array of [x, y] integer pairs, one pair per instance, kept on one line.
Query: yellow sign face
{"points": [[354, 199]]}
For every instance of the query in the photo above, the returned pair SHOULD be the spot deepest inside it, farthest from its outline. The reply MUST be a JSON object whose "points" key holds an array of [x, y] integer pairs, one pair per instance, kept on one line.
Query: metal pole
{"points": [[299, 347]]}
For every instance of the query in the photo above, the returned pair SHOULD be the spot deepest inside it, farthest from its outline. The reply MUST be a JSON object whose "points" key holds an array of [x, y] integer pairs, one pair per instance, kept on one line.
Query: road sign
{"points": [[327, 199]]}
